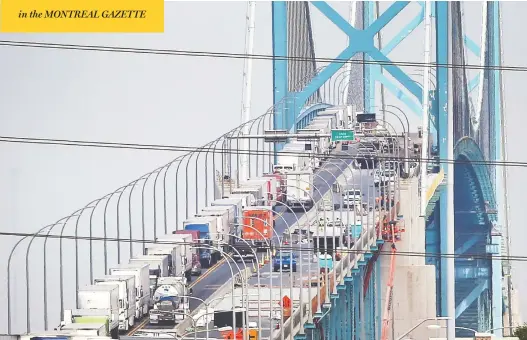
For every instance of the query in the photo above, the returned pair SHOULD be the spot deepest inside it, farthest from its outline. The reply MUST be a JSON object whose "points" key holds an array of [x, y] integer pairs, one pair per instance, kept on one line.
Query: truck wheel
{"points": [[188, 276], [294, 269], [114, 333]]}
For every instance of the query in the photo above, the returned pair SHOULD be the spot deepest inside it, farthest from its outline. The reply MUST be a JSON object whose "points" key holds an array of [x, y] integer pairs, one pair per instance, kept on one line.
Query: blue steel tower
{"points": [[475, 106]]}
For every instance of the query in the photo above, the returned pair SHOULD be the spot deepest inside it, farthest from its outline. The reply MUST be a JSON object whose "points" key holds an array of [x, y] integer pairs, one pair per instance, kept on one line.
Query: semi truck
{"points": [[142, 285], [207, 227], [158, 267], [258, 224], [300, 190], [97, 304], [182, 259], [171, 301], [126, 291]]}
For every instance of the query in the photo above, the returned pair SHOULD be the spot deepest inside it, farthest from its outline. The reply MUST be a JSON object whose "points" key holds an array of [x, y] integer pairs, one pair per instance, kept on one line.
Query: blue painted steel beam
{"points": [[497, 293], [470, 298], [369, 69], [404, 33], [398, 74], [360, 41], [468, 244], [400, 94], [441, 109], [472, 46], [280, 74]]}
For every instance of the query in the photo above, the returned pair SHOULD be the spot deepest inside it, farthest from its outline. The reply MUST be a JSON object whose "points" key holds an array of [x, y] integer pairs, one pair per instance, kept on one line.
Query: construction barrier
{"points": [[314, 301]]}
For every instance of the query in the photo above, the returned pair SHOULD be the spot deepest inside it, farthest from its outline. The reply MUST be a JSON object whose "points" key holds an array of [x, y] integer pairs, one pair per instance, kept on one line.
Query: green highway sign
{"points": [[342, 135]]}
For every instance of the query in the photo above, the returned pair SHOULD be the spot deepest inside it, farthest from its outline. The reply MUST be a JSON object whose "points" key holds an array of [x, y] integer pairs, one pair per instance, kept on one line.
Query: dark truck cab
{"points": [[243, 251]]}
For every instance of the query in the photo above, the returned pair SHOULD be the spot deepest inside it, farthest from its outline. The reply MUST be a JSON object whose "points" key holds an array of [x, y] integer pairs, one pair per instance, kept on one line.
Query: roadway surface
{"points": [[206, 284]]}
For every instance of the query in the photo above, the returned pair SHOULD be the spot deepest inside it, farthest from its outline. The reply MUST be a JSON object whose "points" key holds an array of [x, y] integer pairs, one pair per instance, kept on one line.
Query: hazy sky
{"points": [[168, 100]]}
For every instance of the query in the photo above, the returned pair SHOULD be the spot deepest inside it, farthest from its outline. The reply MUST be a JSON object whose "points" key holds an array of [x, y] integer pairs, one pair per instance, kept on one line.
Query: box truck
{"points": [[126, 284]]}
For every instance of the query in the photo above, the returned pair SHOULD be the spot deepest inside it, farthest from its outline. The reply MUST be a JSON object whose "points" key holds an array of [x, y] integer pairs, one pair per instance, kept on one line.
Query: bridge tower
{"points": [[300, 88]]}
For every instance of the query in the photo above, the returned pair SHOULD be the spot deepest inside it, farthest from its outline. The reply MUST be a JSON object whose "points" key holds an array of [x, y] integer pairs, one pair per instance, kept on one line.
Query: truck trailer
{"points": [[126, 284], [300, 190], [228, 212], [142, 285], [196, 265], [184, 245], [258, 224], [223, 225], [97, 297], [158, 267]]}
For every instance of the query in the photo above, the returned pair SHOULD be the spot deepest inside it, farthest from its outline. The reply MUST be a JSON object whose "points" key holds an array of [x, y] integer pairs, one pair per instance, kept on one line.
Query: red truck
{"points": [[196, 265]]}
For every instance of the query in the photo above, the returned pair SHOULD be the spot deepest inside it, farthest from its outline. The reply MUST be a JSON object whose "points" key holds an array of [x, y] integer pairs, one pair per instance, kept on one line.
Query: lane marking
{"points": [[143, 323]]}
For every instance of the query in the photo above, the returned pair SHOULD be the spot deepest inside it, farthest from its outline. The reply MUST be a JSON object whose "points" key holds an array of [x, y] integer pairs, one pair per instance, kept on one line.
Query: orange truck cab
{"points": [[258, 223]]}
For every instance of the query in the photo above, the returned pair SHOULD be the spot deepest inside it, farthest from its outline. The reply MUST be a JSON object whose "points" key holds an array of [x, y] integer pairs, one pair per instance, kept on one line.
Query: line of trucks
{"points": [[157, 284]]}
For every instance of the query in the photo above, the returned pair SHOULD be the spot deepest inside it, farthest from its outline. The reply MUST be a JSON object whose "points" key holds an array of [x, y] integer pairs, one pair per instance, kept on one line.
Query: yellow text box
{"points": [[82, 16]]}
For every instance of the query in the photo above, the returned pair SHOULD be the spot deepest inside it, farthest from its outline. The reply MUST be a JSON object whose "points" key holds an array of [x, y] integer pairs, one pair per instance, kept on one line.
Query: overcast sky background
{"points": [[169, 100]]}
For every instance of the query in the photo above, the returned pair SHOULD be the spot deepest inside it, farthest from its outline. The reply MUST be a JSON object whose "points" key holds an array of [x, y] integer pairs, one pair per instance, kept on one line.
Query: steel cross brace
{"points": [[360, 41]]}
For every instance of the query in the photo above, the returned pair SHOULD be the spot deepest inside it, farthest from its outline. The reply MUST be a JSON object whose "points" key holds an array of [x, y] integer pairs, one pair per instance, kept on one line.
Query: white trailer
{"points": [[245, 200], [292, 157], [225, 226], [300, 190], [253, 192], [104, 297], [164, 249], [126, 284], [234, 202], [142, 284], [183, 244], [325, 142], [269, 188], [231, 211], [158, 267]]}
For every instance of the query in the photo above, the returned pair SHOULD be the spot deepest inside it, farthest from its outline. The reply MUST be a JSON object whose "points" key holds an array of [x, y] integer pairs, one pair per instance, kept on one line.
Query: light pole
{"points": [[420, 323], [228, 256]]}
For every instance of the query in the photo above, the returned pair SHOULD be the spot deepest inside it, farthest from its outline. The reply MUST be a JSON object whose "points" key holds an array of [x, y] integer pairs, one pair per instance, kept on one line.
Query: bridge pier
{"points": [[414, 292]]}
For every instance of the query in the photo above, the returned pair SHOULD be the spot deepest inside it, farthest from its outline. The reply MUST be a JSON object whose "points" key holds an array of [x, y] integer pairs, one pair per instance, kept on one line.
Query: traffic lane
{"points": [[218, 276]]}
